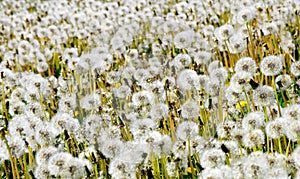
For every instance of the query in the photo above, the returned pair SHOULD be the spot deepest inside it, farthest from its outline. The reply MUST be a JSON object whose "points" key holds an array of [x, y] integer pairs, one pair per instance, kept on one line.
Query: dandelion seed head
{"points": [[183, 39], [292, 112], [276, 128], [224, 32], [295, 68], [240, 80], [202, 57], [90, 101], [187, 130], [237, 44], [264, 96], [111, 148], [214, 65], [187, 80], [253, 120], [184, 59], [219, 75], [212, 158], [283, 81], [271, 65], [190, 110], [43, 155], [141, 127], [296, 156], [293, 130], [254, 138]]}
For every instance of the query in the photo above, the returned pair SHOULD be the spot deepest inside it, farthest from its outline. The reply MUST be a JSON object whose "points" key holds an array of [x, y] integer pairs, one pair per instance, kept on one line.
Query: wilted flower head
{"points": [[271, 65]]}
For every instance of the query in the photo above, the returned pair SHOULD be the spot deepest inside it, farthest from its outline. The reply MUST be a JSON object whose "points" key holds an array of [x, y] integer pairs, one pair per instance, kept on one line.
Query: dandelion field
{"points": [[150, 89]]}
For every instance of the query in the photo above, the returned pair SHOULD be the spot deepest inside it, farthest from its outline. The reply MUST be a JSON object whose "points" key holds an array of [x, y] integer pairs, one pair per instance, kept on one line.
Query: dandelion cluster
{"points": [[149, 89]]}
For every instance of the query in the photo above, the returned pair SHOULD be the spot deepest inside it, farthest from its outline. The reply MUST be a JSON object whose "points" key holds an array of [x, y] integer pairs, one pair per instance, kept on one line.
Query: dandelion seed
{"points": [[271, 65], [171, 169], [214, 173], [214, 65], [213, 88], [296, 156], [42, 171], [64, 121], [122, 92], [223, 130], [57, 163], [279, 173], [233, 95], [121, 169], [255, 167], [269, 28], [44, 133], [142, 98], [237, 44], [141, 127]]}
